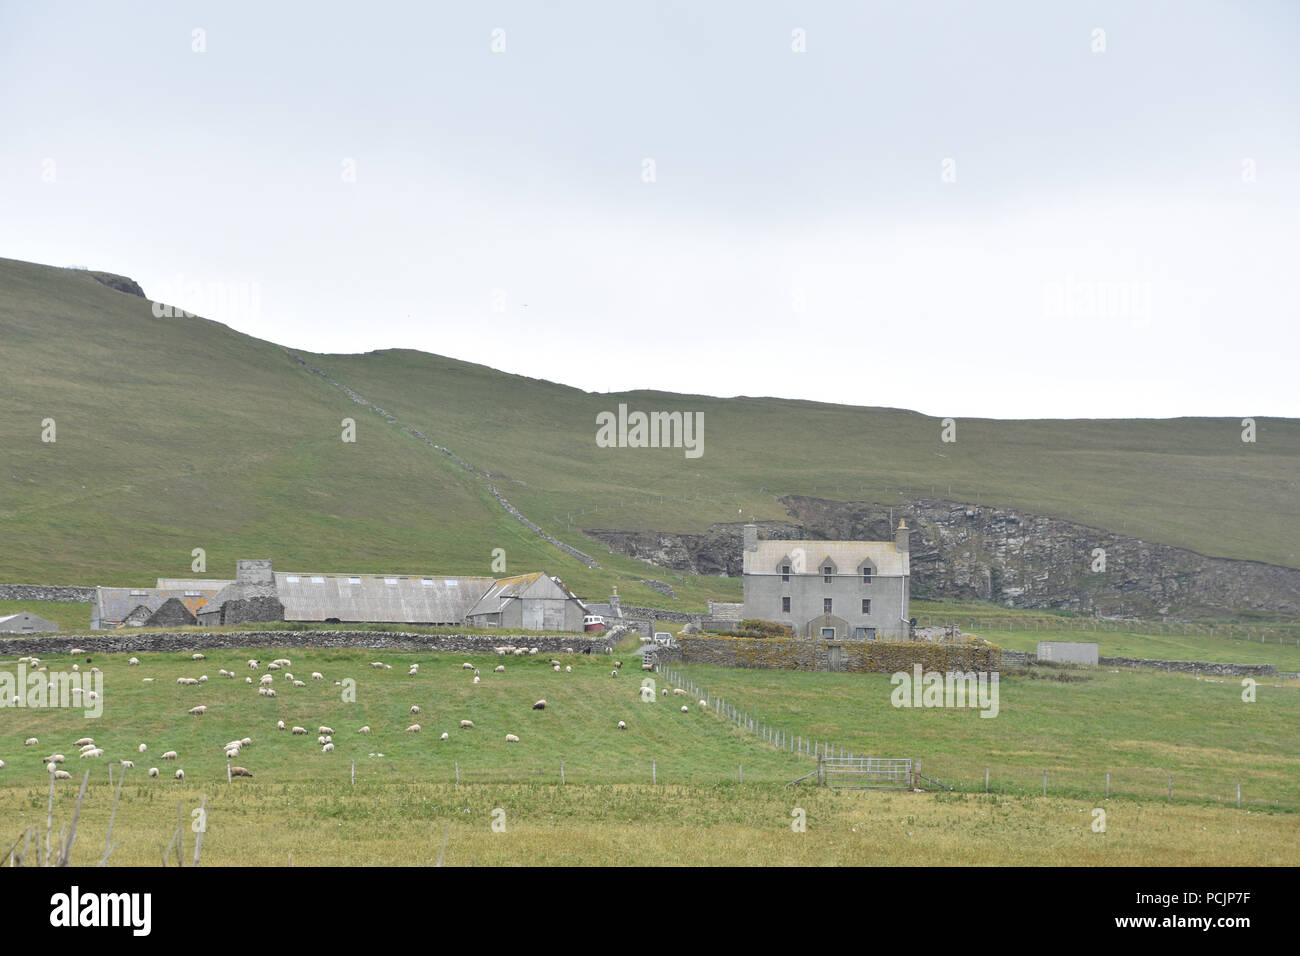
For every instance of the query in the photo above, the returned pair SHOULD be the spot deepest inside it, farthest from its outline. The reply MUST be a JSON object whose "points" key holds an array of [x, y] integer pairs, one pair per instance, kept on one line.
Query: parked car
{"points": [[663, 637], [593, 622]]}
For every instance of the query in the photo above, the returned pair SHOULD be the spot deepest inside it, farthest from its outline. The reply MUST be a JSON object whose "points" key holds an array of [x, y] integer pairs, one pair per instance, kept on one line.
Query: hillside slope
{"points": [[180, 433]]}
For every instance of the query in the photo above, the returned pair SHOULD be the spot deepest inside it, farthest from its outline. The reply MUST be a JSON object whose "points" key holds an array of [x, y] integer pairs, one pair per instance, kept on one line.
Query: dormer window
{"points": [[866, 570], [785, 572], [829, 573]]}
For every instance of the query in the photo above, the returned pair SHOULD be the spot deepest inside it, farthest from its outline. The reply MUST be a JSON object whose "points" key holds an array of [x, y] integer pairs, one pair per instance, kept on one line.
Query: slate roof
{"points": [[112, 605], [846, 556]]}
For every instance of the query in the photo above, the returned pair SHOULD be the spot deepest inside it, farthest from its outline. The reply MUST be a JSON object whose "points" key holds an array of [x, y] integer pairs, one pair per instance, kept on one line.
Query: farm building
{"points": [[114, 607], [25, 622], [379, 598], [536, 601], [252, 597], [835, 590]]}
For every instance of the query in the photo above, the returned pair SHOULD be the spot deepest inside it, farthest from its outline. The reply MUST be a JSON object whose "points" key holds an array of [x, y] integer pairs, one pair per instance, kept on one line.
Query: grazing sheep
{"points": [[246, 742], [261, 691], [203, 678], [133, 662], [444, 736], [679, 692], [476, 678], [93, 752], [364, 730], [415, 708], [30, 742], [279, 725], [142, 748], [556, 668], [169, 755], [149, 680], [232, 753], [553, 662], [326, 730], [77, 650], [703, 702], [282, 662], [239, 772], [252, 665], [153, 771], [2, 764], [622, 725], [618, 664], [317, 675], [300, 683], [685, 708], [540, 705], [197, 657], [377, 665], [289, 677], [248, 680], [321, 739], [511, 739], [413, 729], [467, 666], [179, 775], [92, 695], [467, 725], [55, 758], [127, 764], [613, 673], [270, 692], [300, 730], [223, 672], [568, 669], [328, 748], [62, 775], [499, 669], [415, 669], [87, 747], [267, 680]]}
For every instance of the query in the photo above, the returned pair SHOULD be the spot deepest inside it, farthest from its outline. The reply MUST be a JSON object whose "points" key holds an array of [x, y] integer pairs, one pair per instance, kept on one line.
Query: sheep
{"points": [[364, 730], [197, 657], [279, 725], [289, 677], [321, 739], [328, 748], [300, 683], [77, 650], [317, 675], [568, 669], [232, 753], [532, 652], [85, 747], [62, 775], [93, 752], [300, 730], [499, 669], [622, 725], [30, 742], [377, 665], [326, 730], [679, 691], [282, 662], [467, 725], [92, 695], [223, 672], [239, 772], [273, 666], [95, 670], [415, 669], [270, 692], [127, 764], [413, 729], [267, 680], [467, 666], [476, 678], [261, 692], [2, 764], [55, 758], [540, 705], [252, 665], [511, 739], [153, 771], [142, 748], [169, 755], [415, 708], [133, 662], [553, 662], [703, 702], [618, 664], [233, 743], [231, 674], [556, 668], [444, 736], [203, 678], [613, 673], [248, 680], [179, 775], [685, 708]]}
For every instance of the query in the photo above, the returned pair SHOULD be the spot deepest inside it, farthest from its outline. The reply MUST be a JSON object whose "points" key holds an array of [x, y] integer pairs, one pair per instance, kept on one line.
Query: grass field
{"points": [[1165, 647], [301, 801]]}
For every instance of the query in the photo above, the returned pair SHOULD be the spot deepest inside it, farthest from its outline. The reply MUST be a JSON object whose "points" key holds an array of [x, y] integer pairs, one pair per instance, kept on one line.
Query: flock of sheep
{"points": [[265, 687]]}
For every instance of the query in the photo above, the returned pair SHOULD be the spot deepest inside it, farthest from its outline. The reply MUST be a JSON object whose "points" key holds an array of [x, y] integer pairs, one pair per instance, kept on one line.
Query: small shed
{"points": [[25, 622]]}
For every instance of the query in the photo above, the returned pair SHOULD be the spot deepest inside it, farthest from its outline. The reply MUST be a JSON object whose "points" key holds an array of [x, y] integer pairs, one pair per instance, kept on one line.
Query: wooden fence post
{"points": [[654, 773], [1107, 784]]}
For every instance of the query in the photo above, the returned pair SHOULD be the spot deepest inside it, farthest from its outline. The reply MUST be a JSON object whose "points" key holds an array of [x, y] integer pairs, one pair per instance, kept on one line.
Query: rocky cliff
{"points": [[967, 551]]}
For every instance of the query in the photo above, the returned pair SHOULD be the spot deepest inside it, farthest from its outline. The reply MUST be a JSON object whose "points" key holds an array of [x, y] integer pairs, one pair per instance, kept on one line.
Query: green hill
{"points": [[180, 433]]}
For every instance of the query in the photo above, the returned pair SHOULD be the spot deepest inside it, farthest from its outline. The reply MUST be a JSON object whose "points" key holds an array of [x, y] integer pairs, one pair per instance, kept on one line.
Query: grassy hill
{"points": [[179, 433]]}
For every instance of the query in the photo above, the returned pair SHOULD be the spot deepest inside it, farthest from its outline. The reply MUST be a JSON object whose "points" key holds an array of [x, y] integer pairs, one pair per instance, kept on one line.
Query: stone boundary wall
{"points": [[1217, 668], [41, 592], [658, 614], [120, 641], [863, 657]]}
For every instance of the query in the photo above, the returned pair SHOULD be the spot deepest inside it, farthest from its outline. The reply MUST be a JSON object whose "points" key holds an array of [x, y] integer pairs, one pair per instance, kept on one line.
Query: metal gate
{"points": [[863, 773]]}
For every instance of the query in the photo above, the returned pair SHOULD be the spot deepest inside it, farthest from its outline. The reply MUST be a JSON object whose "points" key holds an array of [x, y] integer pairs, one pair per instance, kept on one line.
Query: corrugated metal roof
{"points": [[192, 584], [845, 555], [379, 598]]}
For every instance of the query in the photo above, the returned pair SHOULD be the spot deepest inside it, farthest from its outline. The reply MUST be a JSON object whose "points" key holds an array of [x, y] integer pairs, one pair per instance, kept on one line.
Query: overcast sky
{"points": [[961, 208]]}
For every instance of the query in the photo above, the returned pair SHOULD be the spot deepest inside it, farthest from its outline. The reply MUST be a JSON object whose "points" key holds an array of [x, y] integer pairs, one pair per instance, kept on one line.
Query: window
{"points": [[826, 605], [193, 593], [139, 593], [785, 605], [828, 571], [292, 579], [866, 606], [785, 572], [392, 581], [427, 582], [866, 575], [354, 580], [316, 579]]}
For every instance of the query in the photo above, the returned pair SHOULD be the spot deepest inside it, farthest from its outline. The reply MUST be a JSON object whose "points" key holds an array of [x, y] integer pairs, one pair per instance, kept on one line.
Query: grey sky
{"points": [[1120, 238]]}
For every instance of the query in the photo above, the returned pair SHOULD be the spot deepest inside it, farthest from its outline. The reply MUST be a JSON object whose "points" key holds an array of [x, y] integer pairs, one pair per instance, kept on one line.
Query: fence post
{"points": [[561, 773], [1044, 783], [986, 779], [354, 773], [1107, 784], [456, 764], [1238, 794], [654, 773]]}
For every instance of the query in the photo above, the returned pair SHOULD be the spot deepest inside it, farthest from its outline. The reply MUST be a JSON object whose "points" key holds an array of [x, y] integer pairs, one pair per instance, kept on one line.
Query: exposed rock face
{"points": [[120, 283], [967, 551]]}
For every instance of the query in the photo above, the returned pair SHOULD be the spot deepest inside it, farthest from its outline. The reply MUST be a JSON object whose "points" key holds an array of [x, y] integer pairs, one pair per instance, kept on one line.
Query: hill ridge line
{"points": [[510, 509]]}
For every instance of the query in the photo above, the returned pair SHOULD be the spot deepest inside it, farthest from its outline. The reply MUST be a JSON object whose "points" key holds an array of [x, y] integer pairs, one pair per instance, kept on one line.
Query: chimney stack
{"points": [[900, 536], [751, 537]]}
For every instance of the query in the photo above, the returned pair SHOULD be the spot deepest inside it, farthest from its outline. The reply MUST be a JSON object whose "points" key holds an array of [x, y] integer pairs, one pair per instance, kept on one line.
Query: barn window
{"points": [[427, 582], [354, 580], [316, 579], [292, 579], [390, 581]]}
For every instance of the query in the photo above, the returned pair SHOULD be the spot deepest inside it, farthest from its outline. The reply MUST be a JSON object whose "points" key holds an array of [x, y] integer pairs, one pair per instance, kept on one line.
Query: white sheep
{"points": [[476, 678], [467, 725], [364, 730], [246, 742], [499, 669], [556, 668], [223, 672], [197, 657], [239, 772], [261, 691], [685, 708], [444, 736], [92, 695], [300, 683], [55, 758], [85, 747], [613, 673], [270, 692], [321, 739], [133, 662], [30, 742], [127, 764], [328, 748], [326, 730], [415, 669], [279, 725], [153, 771], [413, 729], [169, 755], [248, 680], [62, 775], [179, 775], [540, 705], [2, 764], [93, 752], [289, 677], [252, 665], [568, 669], [622, 725], [273, 666], [282, 662], [142, 748], [415, 708], [232, 753], [267, 680], [317, 675], [203, 678], [703, 703], [76, 667], [300, 730], [467, 666], [377, 665], [148, 680], [511, 739]]}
